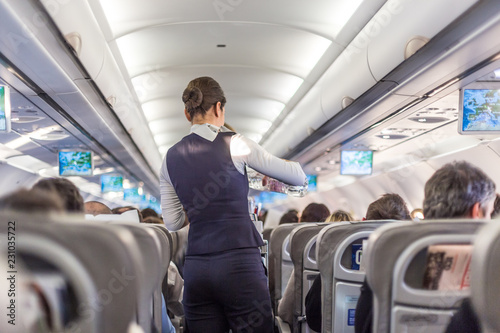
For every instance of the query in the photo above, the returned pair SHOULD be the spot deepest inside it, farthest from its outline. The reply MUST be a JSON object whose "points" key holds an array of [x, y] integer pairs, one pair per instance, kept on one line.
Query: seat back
{"points": [[150, 271], [277, 239], [340, 283], [485, 270], [302, 241], [165, 248], [395, 266], [99, 261]]}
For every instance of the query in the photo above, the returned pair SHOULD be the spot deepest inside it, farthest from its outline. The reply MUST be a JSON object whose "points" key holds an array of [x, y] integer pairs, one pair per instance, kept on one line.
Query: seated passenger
{"points": [[496, 208], [96, 208], [292, 216], [314, 212], [32, 201], [339, 216], [313, 298], [146, 212], [388, 207], [121, 210], [69, 193], [460, 190]]}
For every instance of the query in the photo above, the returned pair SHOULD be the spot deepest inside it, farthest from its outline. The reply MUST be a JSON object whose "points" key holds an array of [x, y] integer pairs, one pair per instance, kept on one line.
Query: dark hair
{"points": [[315, 212], [201, 94], [69, 193], [152, 220], [96, 208], [339, 216], [496, 207], [32, 201], [147, 212], [121, 210], [389, 207], [454, 188], [292, 216]]}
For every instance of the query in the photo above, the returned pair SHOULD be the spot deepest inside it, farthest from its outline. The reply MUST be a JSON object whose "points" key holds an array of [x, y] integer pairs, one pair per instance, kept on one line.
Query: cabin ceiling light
{"points": [[99, 171], [25, 139]]}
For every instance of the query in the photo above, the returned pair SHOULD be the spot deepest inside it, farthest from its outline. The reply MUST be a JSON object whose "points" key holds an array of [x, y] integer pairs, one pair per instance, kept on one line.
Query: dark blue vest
{"points": [[214, 194]]}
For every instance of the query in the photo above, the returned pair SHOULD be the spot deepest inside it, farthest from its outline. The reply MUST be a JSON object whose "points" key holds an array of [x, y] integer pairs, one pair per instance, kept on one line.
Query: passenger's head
{"points": [[121, 210], [314, 212], [73, 201], [292, 216], [146, 212], [32, 201], [496, 208], [459, 189], [339, 216], [389, 207], [202, 97], [152, 220], [96, 208]]}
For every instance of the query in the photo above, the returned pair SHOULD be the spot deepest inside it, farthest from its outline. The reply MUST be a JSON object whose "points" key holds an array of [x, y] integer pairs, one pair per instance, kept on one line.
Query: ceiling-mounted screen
{"points": [[479, 111], [132, 195], [111, 183], [5, 109], [312, 183], [75, 163], [356, 162]]}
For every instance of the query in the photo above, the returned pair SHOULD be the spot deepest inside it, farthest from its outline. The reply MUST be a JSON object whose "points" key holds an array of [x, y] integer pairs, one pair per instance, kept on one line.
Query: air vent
{"points": [[428, 120], [392, 136], [26, 119]]}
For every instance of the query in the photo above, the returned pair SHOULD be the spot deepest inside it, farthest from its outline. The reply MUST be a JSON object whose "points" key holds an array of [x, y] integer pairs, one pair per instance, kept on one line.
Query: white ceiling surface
{"points": [[272, 47]]}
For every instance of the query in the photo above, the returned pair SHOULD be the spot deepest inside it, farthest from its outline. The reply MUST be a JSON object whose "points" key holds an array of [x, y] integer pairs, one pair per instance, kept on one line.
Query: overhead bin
{"points": [[77, 23], [400, 23], [348, 77], [306, 117]]}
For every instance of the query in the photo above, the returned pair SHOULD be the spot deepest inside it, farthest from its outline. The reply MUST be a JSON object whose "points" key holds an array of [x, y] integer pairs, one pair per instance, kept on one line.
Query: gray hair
{"points": [[454, 189]]}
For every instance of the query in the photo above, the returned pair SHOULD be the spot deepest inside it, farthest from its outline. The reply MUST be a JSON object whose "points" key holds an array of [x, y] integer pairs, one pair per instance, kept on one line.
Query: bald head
{"points": [[96, 208]]}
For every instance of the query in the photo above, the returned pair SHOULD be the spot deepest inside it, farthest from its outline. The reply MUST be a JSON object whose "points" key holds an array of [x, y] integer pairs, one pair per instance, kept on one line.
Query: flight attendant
{"points": [[204, 176]]}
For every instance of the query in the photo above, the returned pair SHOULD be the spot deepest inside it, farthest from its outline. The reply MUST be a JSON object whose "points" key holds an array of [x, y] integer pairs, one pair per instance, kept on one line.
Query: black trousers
{"points": [[227, 290]]}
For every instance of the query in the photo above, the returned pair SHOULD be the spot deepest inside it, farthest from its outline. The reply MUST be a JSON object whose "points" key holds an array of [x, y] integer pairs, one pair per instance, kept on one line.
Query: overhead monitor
{"points": [[132, 195], [75, 163], [312, 183], [356, 162], [5, 110], [111, 183], [479, 110]]}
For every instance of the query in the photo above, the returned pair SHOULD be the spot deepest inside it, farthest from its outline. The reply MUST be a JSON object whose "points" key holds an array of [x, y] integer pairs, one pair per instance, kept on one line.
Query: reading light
{"points": [[386, 136], [422, 120]]}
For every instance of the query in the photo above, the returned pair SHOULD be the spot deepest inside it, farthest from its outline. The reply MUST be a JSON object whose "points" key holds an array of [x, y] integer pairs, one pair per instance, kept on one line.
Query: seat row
{"points": [[109, 275], [397, 262]]}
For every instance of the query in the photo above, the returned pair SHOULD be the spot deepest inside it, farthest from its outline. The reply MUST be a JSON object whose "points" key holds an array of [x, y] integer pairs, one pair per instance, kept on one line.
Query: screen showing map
{"points": [[356, 162], [132, 195], [481, 110], [312, 181], [75, 163], [111, 183]]}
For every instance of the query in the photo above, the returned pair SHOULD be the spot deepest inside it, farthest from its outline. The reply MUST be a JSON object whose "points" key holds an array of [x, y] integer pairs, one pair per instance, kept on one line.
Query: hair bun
{"points": [[192, 98]]}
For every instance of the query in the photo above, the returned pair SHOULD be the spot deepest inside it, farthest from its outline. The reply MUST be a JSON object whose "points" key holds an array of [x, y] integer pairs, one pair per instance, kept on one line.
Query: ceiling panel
{"points": [[288, 50]]}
